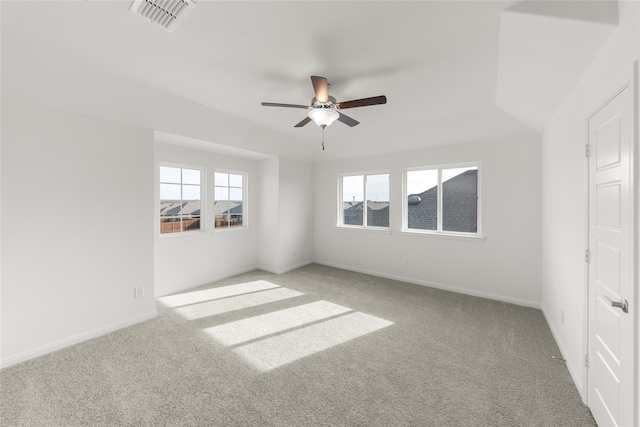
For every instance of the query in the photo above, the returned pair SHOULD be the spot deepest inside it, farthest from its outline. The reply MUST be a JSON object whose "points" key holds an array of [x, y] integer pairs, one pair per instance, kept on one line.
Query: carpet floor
{"points": [[317, 346]]}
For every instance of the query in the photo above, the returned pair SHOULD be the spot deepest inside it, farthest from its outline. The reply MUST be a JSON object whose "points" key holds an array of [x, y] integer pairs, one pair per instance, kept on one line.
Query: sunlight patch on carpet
{"points": [[225, 305], [288, 347], [216, 293], [244, 330], [277, 338]]}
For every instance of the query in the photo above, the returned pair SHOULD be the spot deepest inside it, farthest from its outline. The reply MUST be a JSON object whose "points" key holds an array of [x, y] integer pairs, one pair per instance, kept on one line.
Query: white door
{"points": [[610, 361]]}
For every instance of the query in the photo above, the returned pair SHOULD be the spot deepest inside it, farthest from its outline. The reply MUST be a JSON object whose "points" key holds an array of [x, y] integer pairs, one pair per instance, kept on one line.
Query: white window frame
{"points": [[203, 204], [340, 205], [440, 231], [245, 203]]}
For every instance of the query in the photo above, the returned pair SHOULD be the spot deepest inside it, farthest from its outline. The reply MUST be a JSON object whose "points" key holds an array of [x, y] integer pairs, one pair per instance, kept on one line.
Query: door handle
{"points": [[623, 305]]}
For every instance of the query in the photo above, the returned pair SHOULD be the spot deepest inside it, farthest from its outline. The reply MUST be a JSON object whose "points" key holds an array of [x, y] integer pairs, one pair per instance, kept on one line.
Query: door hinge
{"points": [[586, 256], [586, 150], [586, 361]]}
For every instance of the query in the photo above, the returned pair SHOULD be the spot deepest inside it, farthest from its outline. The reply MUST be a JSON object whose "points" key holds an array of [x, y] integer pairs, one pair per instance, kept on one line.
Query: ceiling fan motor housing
{"points": [[319, 104]]}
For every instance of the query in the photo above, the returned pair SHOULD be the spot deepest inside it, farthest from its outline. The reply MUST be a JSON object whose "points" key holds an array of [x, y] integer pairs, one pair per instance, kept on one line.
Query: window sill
{"points": [[450, 236], [228, 229], [181, 234], [379, 230]]}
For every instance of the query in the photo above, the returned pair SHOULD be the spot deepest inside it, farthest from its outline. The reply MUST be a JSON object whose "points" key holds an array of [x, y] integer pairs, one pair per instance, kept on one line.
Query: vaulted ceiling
{"points": [[453, 71]]}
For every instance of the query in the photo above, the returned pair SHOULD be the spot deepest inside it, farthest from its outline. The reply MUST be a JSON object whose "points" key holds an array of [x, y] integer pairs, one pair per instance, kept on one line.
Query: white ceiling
{"points": [[438, 62]]}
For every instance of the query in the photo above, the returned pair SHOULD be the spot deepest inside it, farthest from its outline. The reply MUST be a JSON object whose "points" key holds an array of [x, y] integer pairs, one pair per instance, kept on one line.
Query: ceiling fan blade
{"points": [[276, 104], [375, 100], [347, 120], [303, 122], [321, 87]]}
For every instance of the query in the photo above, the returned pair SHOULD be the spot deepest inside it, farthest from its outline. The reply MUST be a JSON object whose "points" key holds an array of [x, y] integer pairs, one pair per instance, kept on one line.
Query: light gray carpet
{"points": [[430, 358]]}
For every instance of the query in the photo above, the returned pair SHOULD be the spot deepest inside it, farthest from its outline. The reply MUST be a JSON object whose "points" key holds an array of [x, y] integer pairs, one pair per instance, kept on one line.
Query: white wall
{"points": [[183, 261], [269, 220], [564, 215], [505, 266], [77, 195], [296, 214], [286, 215]]}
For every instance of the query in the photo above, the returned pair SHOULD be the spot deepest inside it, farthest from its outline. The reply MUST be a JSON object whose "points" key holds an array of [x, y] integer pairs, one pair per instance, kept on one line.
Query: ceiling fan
{"points": [[324, 109]]}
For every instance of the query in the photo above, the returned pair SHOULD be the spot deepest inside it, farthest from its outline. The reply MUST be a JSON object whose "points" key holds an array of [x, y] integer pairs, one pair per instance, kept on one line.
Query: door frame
{"points": [[635, 225], [634, 205]]}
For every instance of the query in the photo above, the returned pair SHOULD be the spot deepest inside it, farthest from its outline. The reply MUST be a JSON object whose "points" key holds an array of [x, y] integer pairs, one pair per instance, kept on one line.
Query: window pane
{"points": [[235, 194], [460, 200], [168, 174], [447, 174], [170, 192], [221, 193], [221, 179], [190, 176], [180, 204], [221, 213], [228, 195], [170, 208], [378, 200], [190, 192], [191, 209], [352, 199], [422, 200], [235, 180]]}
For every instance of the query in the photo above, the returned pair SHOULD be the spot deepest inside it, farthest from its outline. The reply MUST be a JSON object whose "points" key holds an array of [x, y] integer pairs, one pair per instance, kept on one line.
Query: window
{"points": [[229, 199], [180, 199], [442, 199], [355, 190]]}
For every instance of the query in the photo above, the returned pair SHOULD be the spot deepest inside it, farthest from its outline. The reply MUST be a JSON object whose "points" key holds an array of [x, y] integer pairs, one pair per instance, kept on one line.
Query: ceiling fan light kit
{"points": [[324, 108], [323, 117]]}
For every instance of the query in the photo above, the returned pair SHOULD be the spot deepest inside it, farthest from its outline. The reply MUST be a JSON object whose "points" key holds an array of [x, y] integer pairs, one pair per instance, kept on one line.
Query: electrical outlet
{"points": [[405, 262], [562, 316], [138, 292]]}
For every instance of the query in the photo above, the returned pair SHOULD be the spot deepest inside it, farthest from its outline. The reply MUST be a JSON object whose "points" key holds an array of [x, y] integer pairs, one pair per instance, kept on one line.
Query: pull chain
{"points": [[323, 126]]}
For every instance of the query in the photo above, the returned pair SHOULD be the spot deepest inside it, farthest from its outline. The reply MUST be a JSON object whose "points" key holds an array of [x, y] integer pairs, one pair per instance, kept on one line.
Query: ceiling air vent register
{"points": [[166, 13]]}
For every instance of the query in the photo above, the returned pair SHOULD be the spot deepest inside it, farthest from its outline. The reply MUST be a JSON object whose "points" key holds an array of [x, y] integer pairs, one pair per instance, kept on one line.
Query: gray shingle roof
{"points": [[173, 207], [222, 207], [377, 213], [193, 207]]}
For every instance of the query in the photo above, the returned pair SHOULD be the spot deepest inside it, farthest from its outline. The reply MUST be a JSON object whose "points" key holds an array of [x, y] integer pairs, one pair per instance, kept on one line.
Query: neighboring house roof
{"points": [[237, 210], [174, 207], [376, 206], [193, 207], [378, 214], [348, 205], [460, 214], [224, 207], [370, 205]]}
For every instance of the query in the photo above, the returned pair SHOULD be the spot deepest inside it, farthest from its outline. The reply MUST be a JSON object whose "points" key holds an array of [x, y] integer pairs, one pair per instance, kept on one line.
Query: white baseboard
{"points": [[575, 375], [464, 291], [286, 269], [231, 274], [68, 342], [210, 280]]}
